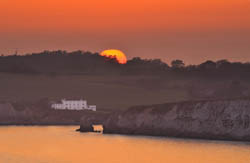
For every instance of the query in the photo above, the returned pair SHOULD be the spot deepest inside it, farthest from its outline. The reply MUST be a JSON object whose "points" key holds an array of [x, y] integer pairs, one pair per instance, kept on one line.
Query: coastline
{"points": [[210, 120]]}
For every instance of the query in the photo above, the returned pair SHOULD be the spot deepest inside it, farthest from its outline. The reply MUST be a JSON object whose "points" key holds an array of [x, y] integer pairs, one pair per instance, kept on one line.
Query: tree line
{"points": [[80, 62]]}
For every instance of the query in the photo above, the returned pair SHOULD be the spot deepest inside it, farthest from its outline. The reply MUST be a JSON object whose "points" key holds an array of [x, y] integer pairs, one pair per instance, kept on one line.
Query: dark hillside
{"points": [[87, 63], [58, 62], [104, 82]]}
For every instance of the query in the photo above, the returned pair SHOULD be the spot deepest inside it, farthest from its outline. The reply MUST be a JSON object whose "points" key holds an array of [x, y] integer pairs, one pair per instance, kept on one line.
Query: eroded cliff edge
{"points": [[215, 119], [40, 113]]}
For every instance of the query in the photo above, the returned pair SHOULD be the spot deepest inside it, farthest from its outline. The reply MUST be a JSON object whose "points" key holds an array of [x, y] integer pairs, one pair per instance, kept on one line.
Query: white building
{"points": [[73, 105]]}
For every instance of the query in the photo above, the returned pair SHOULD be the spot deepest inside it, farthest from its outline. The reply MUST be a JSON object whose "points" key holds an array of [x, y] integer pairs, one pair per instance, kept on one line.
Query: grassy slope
{"points": [[104, 91]]}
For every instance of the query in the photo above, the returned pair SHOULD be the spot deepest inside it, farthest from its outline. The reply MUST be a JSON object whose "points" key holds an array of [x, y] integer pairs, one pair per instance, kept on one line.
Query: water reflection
{"points": [[98, 128], [64, 145]]}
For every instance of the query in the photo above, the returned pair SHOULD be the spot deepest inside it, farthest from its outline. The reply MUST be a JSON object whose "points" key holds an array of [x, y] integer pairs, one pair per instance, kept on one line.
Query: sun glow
{"points": [[120, 56]]}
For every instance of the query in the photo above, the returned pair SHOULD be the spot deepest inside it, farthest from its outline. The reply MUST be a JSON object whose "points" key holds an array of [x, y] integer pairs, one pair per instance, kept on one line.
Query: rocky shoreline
{"points": [[39, 114], [214, 120]]}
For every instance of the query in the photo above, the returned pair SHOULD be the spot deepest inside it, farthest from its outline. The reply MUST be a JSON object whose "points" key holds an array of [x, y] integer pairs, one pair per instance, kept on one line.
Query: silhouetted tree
{"points": [[177, 64], [59, 62], [54, 63], [222, 63], [208, 65]]}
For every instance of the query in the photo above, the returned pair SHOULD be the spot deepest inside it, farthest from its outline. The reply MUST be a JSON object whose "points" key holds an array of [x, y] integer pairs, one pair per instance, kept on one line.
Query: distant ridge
{"points": [[87, 63]]}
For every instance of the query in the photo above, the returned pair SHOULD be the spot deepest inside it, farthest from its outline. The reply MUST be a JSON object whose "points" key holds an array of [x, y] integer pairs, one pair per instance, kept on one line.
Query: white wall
{"points": [[73, 105]]}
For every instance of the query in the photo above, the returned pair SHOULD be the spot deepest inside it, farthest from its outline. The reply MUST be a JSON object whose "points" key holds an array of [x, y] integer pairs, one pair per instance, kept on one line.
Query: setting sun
{"points": [[120, 56]]}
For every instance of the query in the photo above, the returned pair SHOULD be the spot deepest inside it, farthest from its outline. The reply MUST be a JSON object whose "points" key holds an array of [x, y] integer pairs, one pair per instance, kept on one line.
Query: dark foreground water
{"points": [[64, 145]]}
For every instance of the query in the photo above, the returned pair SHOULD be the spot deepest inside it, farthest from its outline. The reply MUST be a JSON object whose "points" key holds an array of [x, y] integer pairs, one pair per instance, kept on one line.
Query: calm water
{"points": [[64, 145]]}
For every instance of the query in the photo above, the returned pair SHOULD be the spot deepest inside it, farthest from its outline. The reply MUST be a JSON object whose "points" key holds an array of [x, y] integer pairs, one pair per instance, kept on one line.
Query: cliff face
{"points": [[9, 115], [221, 119], [38, 113]]}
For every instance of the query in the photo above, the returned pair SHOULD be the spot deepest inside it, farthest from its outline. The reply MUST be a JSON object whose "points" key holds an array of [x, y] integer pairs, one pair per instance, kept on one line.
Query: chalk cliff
{"points": [[39, 113], [218, 119]]}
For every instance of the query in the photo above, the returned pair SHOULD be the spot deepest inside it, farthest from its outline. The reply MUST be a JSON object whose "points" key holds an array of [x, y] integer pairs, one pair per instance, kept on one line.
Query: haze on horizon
{"points": [[191, 30]]}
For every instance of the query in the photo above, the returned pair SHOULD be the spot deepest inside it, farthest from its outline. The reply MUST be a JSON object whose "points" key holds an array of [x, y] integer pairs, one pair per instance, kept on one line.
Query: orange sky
{"points": [[193, 30]]}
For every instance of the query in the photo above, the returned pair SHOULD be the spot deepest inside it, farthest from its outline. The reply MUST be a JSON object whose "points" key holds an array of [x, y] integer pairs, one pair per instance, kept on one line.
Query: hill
{"points": [[109, 85]]}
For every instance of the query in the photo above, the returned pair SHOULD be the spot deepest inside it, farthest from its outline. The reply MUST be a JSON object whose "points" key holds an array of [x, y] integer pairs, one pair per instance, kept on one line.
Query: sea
{"points": [[62, 144]]}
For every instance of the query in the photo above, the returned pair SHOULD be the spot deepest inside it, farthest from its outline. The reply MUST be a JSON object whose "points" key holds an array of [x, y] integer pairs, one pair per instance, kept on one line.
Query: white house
{"points": [[73, 105]]}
